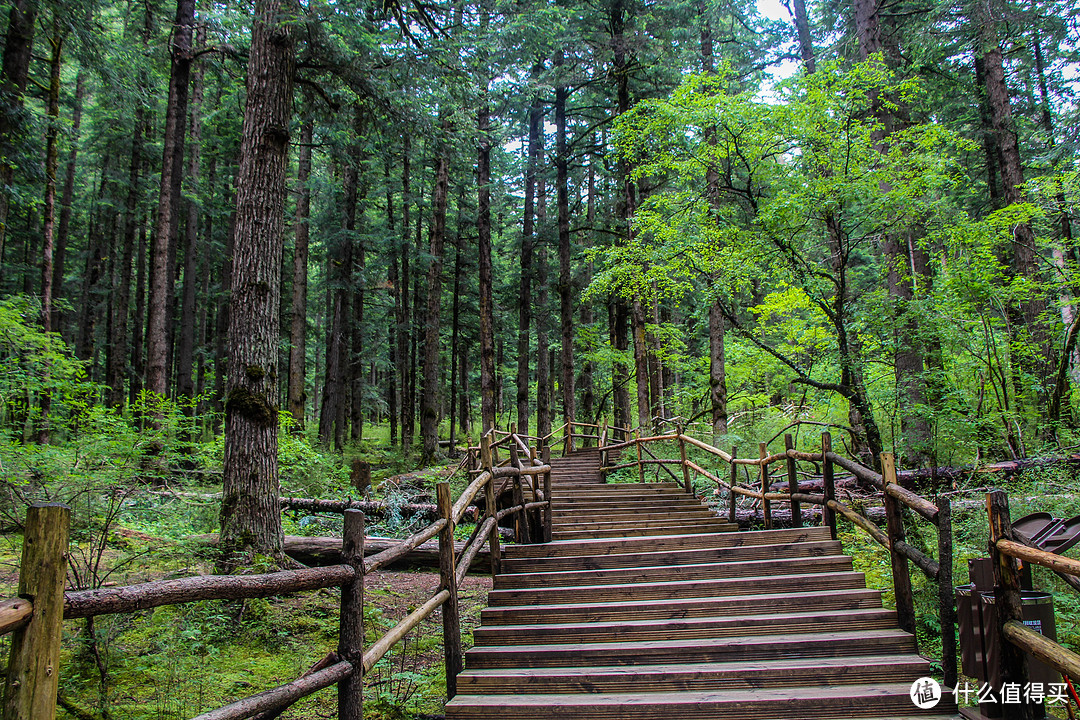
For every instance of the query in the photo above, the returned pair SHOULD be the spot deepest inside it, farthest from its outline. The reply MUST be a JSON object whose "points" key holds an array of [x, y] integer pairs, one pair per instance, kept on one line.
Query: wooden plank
{"points": [[683, 607], [665, 573], [666, 590], [696, 676], [768, 647]]}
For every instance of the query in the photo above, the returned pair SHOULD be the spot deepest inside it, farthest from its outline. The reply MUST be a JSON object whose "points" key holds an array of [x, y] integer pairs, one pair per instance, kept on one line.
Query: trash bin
{"points": [[969, 623], [1038, 614]]}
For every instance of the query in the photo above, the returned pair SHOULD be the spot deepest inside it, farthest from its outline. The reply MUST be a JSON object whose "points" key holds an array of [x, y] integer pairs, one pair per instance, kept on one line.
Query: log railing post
{"points": [[521, 521], [946, 603], [682, 455], [732, 510], [448, 581], [637, 446], [894, 524], [828, 482], [547, 494], [793, 482], [1007, 602], [766, 504], [603, 453], [33, 673], [492, 507], [351, 619]]}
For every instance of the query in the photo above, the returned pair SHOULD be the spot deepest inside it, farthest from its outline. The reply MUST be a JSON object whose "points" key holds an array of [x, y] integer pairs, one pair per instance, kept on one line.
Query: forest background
{"points": [[247, 242]]}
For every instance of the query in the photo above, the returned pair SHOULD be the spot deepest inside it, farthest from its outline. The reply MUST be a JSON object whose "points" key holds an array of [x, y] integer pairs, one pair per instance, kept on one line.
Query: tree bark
{"points": [[1037, 368], [52, 157], [528, 231], [543, 360], [48, 242], [185, 361], [802, 27], [404, 319], [455, 324], [14, 75], [250, 519], [64, 226], [429, 409], [167, 218], [566, 305], [717, 371], [641, 361], [298, 328]]}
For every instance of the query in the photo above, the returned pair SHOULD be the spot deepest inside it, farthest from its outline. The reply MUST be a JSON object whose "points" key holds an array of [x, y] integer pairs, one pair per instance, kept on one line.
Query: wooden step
{"points": [[742, 648], [670, 573], [682, 510], [662, 487], [682, 628], [642, 523], [863, 701], [713, 587], [833, 600], [787, 672], [621, 532], [610, 547], [673, 557]]}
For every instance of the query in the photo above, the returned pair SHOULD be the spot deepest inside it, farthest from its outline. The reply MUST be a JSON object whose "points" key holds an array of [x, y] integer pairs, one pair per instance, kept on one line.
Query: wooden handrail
{"points": [[1058, 563], [1053, 654]]}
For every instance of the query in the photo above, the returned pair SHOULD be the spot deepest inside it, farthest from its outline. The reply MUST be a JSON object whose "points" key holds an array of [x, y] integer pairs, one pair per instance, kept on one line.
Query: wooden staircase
{"points": [[647, 605]]}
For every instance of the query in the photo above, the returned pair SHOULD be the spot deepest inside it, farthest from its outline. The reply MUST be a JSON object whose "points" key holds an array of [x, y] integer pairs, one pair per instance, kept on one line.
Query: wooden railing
{"points": [[786, 465], [1014, 638], [35, 617]]}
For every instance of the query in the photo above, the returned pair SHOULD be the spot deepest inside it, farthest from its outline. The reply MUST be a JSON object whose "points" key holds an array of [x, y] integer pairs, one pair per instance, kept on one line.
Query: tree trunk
{"points": [[588, 393], [185, 362], [52, 135], [566, 306], [641, 362], [463, 395], [404, 319], [48, 243], [250, 517], [429, 409], [1037, 367], [167, 218], [84, 343], [524, 343], [717, 371], [483, 231], [618, 319], [455, 327], [393, 399], [64, 226], [802, 26], [298, 327], [14, 75], [543, 364]]}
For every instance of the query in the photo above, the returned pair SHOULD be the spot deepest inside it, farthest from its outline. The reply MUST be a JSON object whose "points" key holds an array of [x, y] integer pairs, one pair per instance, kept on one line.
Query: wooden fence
{"points": [[36, 616]]}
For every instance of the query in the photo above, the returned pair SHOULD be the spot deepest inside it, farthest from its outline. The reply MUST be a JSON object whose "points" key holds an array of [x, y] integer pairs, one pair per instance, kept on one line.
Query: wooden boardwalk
{"points": [[647, 605]]}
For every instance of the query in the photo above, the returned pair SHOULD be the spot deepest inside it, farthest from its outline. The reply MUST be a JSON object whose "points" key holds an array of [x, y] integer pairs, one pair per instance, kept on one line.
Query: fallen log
{"points": [[324, 551], [371, 508]]}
